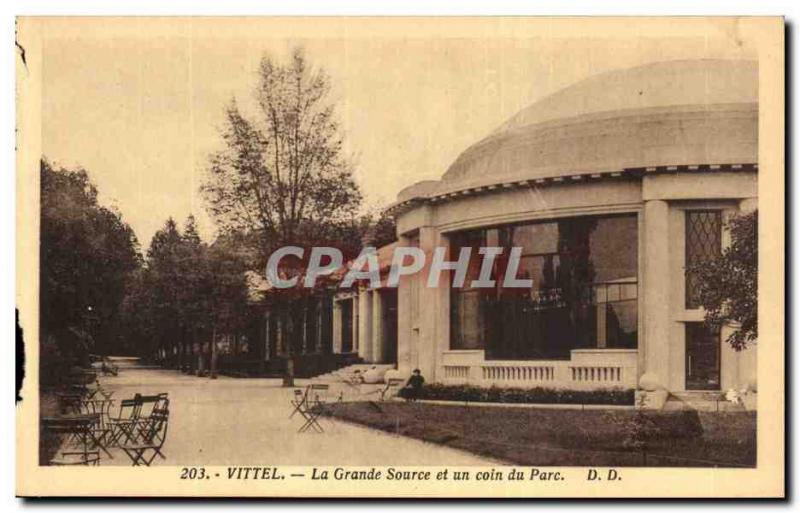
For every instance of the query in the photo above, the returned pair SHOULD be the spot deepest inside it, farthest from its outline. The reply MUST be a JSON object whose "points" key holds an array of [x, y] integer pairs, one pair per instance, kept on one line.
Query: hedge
{"points": [[465, 393]]}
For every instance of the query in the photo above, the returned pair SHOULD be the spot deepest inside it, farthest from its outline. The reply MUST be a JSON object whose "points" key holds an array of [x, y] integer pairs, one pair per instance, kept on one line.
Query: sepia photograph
{"points": [[400, 257]]}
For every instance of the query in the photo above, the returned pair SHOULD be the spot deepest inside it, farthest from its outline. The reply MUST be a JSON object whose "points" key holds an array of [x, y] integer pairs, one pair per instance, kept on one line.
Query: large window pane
{"points": [[468, 320], [703, 243], [584, 293]]}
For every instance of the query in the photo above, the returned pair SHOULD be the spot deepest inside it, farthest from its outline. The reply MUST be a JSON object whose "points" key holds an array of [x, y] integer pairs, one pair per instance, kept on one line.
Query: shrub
{"points": [[467, 393]]}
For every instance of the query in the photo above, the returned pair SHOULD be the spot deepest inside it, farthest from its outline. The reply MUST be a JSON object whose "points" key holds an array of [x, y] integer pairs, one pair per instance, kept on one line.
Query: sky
{"points": [[139, 102]]}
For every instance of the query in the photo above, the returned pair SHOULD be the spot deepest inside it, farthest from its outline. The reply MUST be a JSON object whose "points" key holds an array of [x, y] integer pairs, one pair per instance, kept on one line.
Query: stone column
{"points": [[336, 336], [355, 325], [377, 326], [428, 307], [365, 325], [404, 326], [656, 296]]}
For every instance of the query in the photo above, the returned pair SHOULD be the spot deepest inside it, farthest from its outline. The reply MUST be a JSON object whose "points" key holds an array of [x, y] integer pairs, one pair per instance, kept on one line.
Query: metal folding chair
{"points": [[311, 416], [151, 438], [298, 400], [320, 394], [124, 424], [318, 402], [392, 387], [147, 405]]}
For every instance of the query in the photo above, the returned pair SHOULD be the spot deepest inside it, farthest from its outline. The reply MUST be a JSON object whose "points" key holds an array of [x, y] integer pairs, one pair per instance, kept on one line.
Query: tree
{"points": [[381, 232], [728, 284], [154, 297], [190, 291], [227, 293], [282, 174], [88, 257]]}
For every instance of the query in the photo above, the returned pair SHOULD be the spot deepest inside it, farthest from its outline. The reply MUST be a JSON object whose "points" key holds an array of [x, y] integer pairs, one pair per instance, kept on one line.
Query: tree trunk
{"points": [[288, 377], [200, 363], [213, 373]]}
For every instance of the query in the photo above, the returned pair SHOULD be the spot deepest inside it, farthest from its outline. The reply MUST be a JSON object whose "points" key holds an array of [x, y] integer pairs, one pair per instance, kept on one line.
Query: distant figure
{"points": [[413, 388]]}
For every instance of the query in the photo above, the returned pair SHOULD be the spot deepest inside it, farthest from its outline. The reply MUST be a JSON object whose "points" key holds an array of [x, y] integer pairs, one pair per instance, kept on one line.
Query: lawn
{"points": [[533, 437]]}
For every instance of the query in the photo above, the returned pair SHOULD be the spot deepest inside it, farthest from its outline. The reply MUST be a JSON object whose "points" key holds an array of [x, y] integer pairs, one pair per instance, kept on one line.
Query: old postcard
{"points": [[401, 257]]}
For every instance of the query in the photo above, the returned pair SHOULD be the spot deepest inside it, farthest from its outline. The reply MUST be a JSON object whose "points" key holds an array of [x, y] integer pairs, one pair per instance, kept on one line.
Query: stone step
{"points": [[346, 373], [708, 401], [698, 395]]}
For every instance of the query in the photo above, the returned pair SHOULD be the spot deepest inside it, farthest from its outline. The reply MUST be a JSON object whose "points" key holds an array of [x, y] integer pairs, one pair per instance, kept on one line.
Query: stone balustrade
{"points": [[587, 369]]}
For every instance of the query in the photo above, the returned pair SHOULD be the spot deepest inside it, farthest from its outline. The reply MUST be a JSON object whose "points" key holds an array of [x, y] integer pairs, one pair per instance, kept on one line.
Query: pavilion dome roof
{"points": [[689, 112]]}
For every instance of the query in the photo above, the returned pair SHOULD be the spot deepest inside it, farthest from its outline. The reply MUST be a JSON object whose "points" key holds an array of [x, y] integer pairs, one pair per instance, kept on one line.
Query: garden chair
{"points": [[393, 386], [319, 391], [298, 400], [321, 397], [147, 405], [124, 424], [311, 413], [76, 433], [318, 402], [151, 438], [306, 403]]}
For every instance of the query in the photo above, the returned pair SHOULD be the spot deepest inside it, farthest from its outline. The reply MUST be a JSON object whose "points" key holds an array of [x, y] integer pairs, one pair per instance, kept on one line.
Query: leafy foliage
{"points": [[282, 174], [381, 232], [188, 291], [88, 257], [728, 285], [282, 178]]}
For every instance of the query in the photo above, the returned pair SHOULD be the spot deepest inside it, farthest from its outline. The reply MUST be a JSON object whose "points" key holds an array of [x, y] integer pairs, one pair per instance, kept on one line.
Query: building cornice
{"points": [[633, 173]]}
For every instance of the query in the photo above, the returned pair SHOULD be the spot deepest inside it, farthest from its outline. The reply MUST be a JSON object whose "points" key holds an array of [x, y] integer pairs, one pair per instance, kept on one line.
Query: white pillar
{"points": [[356, 322], [404, 317], [365, 325], [656, 295], [337, 327], [429, 320], [377, 326]]}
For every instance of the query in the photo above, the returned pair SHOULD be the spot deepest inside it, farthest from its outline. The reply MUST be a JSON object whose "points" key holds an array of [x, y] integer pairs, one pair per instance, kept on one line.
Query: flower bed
{"points": [[463, 393]]}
